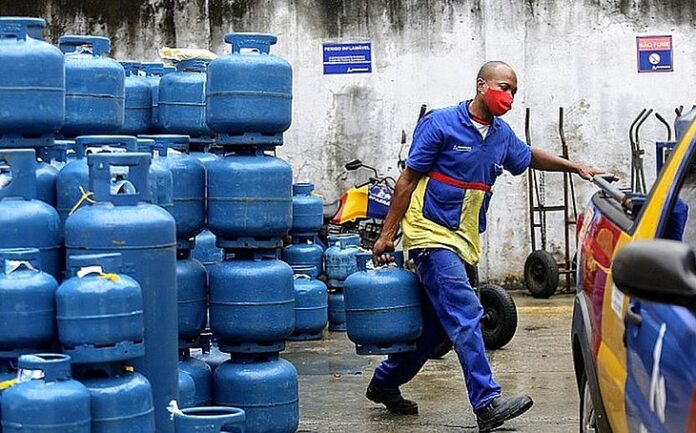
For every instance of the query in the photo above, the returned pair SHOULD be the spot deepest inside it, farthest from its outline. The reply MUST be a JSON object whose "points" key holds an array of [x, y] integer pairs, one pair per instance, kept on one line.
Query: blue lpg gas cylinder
{"points": [[202, 376], [100, 311], [59, 153], [249, 198], [24, 221], [188, 180], [213, 419], [138, 101], [32, 90], [56, 155], [145, 235], [182, 100], [46, 399], [46, 177], [35, 26], [304, 252], [72, 185], [152, 69], [187, 390], [212, 356], [311, 305], [249, 92], [121, 400], [159, 177], [337, 312], [252, 302], [94, 87], [27, 302], [339, 258], [205, 250], [265, 387], [307, 210], [383, 313], [192, 300], [199, 148], [153, 73]]}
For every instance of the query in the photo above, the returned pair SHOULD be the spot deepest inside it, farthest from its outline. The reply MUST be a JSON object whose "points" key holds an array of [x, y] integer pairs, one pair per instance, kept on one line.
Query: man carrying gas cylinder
{"points": [[441, 200]]}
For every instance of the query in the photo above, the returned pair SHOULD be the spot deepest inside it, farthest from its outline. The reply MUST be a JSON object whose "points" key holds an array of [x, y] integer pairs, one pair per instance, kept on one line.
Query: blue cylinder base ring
{"points": [[384, 349], [90, 354], [251, 347], [10, 141], [337, 327], [14, 354], [250, 139], [306, 336], [249, 243]]}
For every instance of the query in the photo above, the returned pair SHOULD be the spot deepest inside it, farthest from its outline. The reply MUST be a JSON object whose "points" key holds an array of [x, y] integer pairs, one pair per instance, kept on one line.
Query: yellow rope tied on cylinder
{"points": [[7, 383], [85, 197], [111, 277]]}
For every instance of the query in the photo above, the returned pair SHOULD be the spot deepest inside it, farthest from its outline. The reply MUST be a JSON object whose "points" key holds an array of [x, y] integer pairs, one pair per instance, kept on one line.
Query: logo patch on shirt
{"points": [[462, 148]]}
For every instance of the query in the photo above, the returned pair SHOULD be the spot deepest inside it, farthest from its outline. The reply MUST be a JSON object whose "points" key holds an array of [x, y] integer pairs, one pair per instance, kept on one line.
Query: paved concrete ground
{"points": [[537, 361]]}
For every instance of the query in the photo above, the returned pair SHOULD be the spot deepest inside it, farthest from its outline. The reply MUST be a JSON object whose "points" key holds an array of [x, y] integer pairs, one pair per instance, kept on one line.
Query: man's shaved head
{"points": [[494, 77], [498, 75], [489, 69]]}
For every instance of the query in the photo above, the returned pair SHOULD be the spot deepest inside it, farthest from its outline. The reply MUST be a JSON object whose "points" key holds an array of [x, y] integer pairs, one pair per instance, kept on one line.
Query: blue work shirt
{"points": [[448, 208]]}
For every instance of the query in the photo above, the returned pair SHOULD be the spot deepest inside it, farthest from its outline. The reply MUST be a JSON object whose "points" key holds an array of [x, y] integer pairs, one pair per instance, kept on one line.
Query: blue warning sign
{"points": [[348, 58]]}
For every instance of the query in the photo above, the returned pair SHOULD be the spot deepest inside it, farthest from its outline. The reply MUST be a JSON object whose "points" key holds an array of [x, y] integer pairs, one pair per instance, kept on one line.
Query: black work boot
{"points": [[500, 410], [392, 399]]}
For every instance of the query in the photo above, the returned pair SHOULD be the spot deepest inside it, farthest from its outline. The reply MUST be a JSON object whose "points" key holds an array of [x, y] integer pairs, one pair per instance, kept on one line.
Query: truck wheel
{"points": [[541, 274], [588, 418], [499, 321]]}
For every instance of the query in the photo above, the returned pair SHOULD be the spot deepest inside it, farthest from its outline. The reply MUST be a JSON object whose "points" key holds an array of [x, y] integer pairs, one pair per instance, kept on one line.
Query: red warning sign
{"points": [[654, 53]]}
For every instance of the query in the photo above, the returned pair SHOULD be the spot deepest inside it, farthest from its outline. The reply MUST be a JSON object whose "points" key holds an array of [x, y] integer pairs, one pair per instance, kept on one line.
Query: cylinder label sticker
{"points": [[25, 375]]}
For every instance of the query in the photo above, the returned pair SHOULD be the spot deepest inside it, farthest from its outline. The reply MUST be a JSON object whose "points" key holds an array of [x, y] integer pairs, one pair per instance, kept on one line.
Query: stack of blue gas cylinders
{"points": [[142, 208], [101, 326], [249, 210], [100, 298], [340, 262], [122, 219], [33, 100], [306, 257], [27, 313]]}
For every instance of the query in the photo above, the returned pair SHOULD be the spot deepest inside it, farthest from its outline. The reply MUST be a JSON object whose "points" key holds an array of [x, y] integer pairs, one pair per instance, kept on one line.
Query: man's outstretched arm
{"points": [[407, 183], [543, 160]]}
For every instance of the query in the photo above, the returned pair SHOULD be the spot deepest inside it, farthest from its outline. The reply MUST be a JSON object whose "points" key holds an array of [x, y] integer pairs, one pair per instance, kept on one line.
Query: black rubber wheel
{"points": [[588, 416], [442, 350], [499, 321], [541, 274]]}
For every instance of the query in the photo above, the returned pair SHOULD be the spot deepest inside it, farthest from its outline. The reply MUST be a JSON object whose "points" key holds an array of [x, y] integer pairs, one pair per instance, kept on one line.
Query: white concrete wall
{"points": [[579, 54]]}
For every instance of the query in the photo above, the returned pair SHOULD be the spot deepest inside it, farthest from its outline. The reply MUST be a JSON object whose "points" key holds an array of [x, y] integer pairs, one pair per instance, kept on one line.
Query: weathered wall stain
{"points": [[353, 131]]}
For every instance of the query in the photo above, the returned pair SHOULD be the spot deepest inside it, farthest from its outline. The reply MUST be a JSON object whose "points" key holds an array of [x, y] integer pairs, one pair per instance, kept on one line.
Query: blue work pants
{"points": [[450, 308]]}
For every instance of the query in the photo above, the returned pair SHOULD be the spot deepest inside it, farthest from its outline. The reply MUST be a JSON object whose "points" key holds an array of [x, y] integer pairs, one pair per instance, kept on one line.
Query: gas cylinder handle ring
{"points": [[13, 29], [99, 45], [258, 41], [22, 165], [127, 142], [209, 419]]}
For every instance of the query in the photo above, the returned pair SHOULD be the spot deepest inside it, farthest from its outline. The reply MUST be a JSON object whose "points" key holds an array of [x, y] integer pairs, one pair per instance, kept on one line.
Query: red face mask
{"points": [[497, 101]]}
